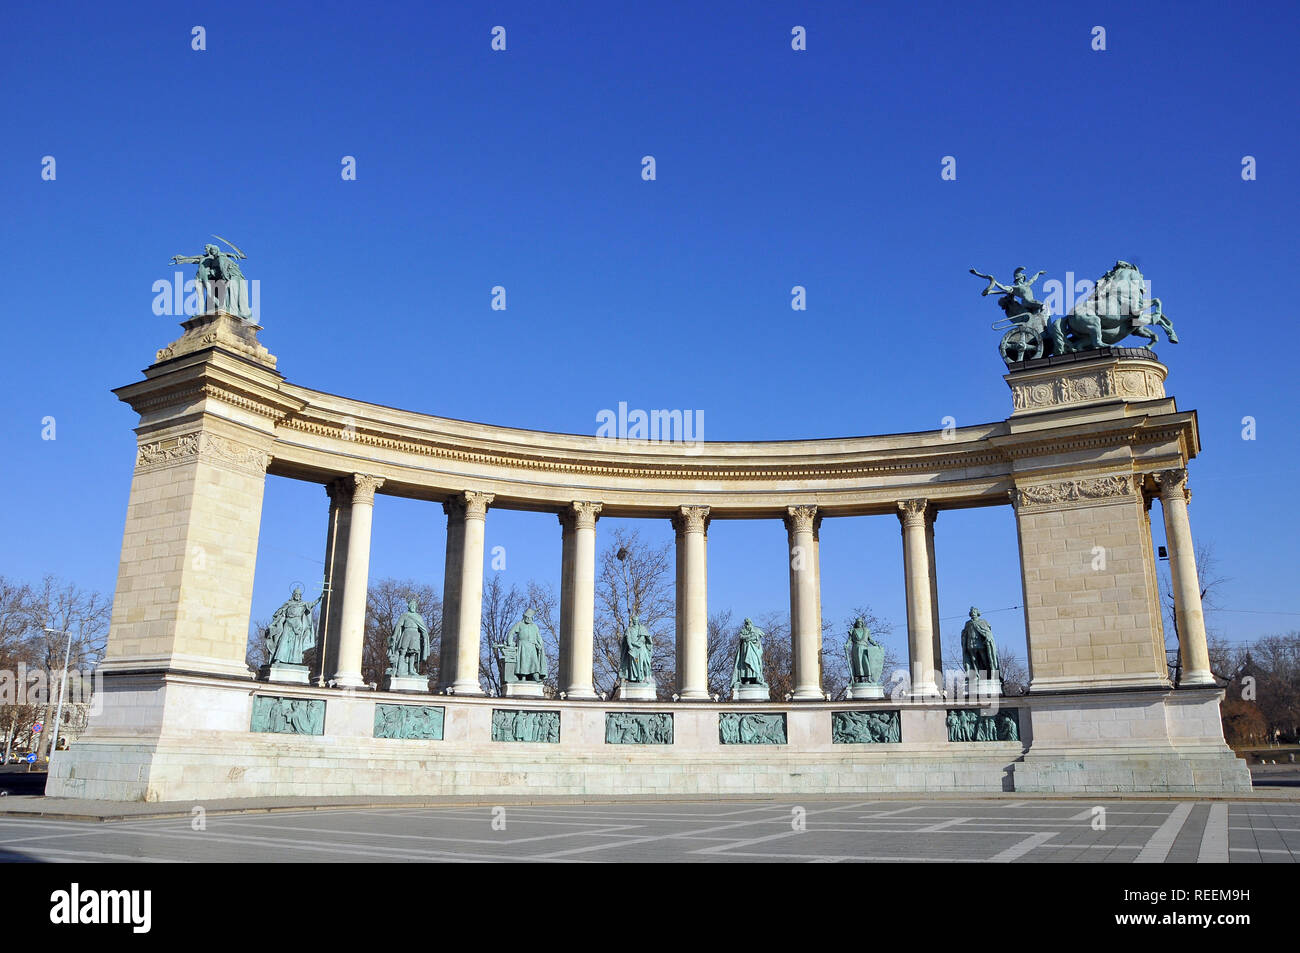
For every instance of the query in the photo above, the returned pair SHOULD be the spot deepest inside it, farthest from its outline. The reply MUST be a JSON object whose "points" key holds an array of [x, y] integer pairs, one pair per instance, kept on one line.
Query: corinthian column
{"points": [[455, 510], [692, 595], [805, 627], [336, 561], [913, 515], [1188, 613], [356, 579], [575, 649], [469, 630]]}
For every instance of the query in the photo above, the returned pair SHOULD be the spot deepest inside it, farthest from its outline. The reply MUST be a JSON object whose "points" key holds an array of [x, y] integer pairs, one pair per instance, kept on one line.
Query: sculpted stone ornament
{"points": [[636, 680], [751, 728], [979, 656], [536, 726], [866, 662], [291, 633], [638, 728], [522, 659], [1116, 307], [409, 722], [970, 724], [747, 680], [865, 727], [288, 716], [408, 647], [219, 279]]}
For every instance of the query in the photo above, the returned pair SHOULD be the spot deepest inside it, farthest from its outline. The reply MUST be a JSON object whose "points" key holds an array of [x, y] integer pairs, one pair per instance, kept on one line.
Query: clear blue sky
{"points": [[775, 168]]}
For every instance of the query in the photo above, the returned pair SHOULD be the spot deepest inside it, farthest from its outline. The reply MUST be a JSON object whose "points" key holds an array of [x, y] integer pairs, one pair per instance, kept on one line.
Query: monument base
{"points": [[752, 693], [406, 683], [984, 687], [187, 737], [280, 672], [865, 690], [636, 691], [523, 690]]}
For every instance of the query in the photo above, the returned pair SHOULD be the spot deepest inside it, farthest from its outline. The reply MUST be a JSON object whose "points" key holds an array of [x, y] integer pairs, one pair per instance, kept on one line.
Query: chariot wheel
{"points": [[1020, 344]]}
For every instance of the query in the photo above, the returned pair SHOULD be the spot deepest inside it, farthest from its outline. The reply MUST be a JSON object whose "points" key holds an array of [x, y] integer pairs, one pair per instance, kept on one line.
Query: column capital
{"points": [[585, 514], [691, 519], [339, 490], [364, 486], [1172, 482], [476, 504], [915, 512], [454, 508], [800, 519]]}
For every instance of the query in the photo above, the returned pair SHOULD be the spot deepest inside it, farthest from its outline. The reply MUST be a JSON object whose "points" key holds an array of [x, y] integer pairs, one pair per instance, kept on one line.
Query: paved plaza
{"points": [[879, 830]]}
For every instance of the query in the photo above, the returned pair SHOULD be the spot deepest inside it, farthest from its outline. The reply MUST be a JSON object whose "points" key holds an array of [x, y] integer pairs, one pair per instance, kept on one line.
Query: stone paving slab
{"points": [[780, 830]]}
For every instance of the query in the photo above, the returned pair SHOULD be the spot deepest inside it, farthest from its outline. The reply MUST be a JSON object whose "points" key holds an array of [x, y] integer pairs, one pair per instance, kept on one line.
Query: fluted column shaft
{"points": [[469, 629], [455, 510], [913, 514], [692, 595], [356, 580], [576, 650], [1188, 612], [805, 627]]}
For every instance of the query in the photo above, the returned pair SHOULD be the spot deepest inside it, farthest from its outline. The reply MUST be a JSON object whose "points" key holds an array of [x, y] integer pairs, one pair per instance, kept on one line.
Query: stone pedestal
{"points": [[866, 690], [280, 672], [752, 693], [635, 691], [406, 683], [979, 687], [523, 690]]}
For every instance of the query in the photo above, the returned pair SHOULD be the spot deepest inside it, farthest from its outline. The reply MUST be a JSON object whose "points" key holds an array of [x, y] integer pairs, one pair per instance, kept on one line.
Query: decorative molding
{"points": [[692, 519], [585, 514], [204, 444], [912, 513], [800, 519], [361, 435], [1171, 483], [1119, 381], [1072, 491], [476, 504], [364, 486]]}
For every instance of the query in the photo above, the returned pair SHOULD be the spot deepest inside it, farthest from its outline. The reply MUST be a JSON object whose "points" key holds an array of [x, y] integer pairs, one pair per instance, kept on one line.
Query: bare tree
{"points": [[502, 608], [386, 600], [635, 578]]}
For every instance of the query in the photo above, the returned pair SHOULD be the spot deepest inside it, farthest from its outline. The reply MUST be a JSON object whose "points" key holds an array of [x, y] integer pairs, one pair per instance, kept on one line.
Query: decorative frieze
{"points": [[202, 443], [971, 724], [751, 728], [865, 727], [288, 716], [638, 728], [1051, 388], [1066, 492], [409, 722], [526, 725]]}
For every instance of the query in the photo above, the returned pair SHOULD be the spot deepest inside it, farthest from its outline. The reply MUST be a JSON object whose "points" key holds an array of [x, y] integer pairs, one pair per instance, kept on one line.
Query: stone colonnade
{"points": [[347, 561]]}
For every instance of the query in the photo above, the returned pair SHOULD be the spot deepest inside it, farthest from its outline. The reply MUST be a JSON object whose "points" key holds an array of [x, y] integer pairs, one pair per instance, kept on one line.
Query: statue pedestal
{"points": [[635, 691], [752, 693], [979, 687], [865, 690], [523, 690], [406, 683], [281, 672]]}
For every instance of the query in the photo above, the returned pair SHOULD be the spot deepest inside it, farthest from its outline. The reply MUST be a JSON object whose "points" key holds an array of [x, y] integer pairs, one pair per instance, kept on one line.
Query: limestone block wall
{"points": [[1087, 569], [189, 551]]}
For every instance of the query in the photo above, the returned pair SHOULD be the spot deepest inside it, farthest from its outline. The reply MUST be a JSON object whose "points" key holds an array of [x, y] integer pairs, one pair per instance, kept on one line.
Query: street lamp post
{"points": [[63, 680]]}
